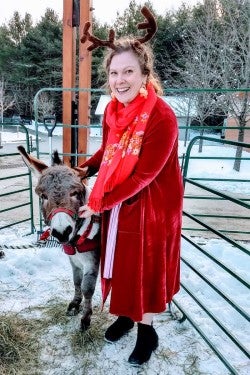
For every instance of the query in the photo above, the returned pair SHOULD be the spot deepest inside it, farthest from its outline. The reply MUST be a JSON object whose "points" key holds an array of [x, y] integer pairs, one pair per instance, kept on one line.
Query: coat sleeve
{"points": [[160, 139]]}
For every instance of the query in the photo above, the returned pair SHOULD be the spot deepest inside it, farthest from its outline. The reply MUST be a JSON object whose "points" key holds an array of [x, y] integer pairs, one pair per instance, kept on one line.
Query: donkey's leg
{"points": [[90, 273], [74, 305]]}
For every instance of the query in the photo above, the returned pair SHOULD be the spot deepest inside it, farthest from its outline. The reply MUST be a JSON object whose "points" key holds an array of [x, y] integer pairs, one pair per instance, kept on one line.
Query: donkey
{"points": [[62, 192]]}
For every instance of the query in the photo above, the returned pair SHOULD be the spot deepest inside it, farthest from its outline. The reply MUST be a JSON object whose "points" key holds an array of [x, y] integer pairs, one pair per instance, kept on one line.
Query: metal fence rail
{"points": [[187, 294], [214, 194], [12, 194]]}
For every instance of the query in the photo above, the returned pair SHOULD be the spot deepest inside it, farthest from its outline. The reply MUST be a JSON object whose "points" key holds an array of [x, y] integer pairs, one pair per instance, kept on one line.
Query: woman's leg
{"points": [[147, 318]]}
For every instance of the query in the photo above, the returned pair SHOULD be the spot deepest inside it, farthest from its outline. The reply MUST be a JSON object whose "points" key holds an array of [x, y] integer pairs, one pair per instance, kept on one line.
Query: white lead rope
{"points": [[111, 242]]}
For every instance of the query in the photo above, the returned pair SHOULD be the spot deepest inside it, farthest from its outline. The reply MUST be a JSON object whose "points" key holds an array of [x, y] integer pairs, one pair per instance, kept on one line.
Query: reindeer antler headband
{"points": [[150, 25]]}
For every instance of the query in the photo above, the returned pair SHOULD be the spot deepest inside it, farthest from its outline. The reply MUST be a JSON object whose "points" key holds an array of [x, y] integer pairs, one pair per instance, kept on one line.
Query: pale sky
{"points": [[105, 11]]}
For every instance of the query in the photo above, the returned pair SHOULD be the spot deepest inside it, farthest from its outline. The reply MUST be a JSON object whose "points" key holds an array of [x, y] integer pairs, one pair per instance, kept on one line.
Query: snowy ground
{"points": [[33, 278]]}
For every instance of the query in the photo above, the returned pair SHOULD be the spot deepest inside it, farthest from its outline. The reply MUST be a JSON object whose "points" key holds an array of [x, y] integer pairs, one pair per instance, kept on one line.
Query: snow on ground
{"points": [[20, 137], [218, 168], [33, 278]]}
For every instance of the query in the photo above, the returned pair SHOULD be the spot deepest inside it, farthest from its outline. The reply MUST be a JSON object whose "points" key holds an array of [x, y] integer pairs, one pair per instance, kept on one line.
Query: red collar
{"points": [[83, 244], [87, 245]]}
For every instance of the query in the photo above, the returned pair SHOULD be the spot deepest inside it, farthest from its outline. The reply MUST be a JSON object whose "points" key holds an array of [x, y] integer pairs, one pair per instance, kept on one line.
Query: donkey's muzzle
{"points": [[64, 236]]}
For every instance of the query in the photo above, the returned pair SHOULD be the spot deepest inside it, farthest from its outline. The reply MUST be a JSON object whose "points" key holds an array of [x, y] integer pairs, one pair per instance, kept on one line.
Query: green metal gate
{"points": [[194, 268], [12, 177]]}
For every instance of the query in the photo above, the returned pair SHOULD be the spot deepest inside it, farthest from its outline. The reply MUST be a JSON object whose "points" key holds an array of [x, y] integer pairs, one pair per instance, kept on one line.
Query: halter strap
{"points": [[61, 209]]}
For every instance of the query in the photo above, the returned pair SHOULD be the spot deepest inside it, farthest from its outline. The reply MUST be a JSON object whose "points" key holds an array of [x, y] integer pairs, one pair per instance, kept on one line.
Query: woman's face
{"points": [[125, 77]]}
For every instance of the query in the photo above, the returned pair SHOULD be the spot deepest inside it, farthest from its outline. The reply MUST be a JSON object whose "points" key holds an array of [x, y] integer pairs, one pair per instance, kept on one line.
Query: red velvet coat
{"points": [[146, 271]]}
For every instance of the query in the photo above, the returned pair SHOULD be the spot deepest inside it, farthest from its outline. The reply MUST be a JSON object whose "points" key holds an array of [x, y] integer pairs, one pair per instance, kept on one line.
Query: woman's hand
{"points": [[85, 212], [82, 172]]}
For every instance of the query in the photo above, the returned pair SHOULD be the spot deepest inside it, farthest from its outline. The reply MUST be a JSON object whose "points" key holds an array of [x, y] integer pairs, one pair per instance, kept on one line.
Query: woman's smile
{"points": [[122, 90]]}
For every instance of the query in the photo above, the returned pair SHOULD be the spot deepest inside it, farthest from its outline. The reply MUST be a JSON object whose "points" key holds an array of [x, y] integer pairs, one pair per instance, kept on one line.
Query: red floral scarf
{"points": [[127, 126]]}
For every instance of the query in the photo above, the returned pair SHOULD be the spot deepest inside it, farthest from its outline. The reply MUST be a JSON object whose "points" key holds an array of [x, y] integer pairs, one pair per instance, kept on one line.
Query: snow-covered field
{"points": [[34, 278]]}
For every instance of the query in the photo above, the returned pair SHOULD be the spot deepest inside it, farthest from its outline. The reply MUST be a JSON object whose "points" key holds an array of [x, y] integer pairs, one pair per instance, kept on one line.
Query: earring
{"points": [[143, 91]]}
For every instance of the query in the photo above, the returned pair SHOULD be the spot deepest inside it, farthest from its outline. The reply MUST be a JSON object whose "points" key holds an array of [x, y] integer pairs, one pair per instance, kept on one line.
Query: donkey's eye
{"points": [[75, 194], [43, 196]]}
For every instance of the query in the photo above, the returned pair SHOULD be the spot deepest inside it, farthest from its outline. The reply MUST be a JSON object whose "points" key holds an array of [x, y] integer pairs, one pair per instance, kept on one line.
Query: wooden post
{"points": [[69, 74], [84, 81]]}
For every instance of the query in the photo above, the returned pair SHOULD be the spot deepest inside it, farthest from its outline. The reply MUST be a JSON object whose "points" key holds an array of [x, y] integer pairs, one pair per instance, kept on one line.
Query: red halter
{"points": [[45, 235], [61, 209]]}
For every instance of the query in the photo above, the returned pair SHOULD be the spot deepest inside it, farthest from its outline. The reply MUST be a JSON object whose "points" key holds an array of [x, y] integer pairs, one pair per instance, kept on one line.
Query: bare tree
{"points": [[215, 55], [199, 62], [6, 99], [235, 63], [45, 105]]}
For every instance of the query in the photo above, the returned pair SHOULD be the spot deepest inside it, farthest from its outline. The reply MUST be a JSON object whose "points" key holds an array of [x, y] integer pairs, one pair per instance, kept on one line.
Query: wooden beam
{"points": [[85, 59], [69, 74]]}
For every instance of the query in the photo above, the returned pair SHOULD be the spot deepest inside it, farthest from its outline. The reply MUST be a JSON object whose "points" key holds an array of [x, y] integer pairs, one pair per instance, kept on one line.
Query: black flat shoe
{"points": [[118, 329], [146, 343]]}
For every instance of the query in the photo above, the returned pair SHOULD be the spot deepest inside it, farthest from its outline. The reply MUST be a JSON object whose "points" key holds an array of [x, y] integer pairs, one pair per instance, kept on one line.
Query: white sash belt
{"points": [[111, 242]]}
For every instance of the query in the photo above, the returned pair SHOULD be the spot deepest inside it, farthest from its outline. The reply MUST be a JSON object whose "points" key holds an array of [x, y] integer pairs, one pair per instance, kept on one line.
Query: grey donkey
{"points": [[62, 192]]}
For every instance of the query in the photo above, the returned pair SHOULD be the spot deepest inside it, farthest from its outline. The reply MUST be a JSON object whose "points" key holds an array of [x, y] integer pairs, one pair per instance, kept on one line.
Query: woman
{"points": [[139, 192]]}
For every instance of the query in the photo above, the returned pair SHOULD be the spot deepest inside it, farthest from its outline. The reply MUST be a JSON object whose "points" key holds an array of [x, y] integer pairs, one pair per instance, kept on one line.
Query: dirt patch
{"points": [[218, 213]]}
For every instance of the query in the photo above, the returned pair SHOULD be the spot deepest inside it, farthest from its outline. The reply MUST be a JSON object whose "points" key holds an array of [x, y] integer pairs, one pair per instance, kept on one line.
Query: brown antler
{"points": [[96, 42], [150, 25]]}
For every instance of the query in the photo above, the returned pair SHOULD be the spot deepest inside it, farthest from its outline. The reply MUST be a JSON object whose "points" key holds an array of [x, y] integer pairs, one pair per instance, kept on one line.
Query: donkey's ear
{"points": [[56, 159], [34, 164], [81, 172]]}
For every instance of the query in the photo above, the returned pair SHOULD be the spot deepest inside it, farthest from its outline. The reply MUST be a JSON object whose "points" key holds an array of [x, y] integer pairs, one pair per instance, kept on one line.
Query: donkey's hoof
{"points": [[85, 324], [72, 312], [73, 309], [2, 255]]}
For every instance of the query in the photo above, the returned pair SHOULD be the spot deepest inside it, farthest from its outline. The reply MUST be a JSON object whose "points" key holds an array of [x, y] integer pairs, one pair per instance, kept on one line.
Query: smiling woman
{"points": [[138, 190]]}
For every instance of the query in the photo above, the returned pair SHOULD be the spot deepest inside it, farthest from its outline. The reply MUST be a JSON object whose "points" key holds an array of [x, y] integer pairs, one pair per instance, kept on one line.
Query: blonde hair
{"points": [[144, 55]]}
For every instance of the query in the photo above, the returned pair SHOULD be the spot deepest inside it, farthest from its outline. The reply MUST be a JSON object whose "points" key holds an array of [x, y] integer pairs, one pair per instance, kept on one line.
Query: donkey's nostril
{"points": [[62, 237]]}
